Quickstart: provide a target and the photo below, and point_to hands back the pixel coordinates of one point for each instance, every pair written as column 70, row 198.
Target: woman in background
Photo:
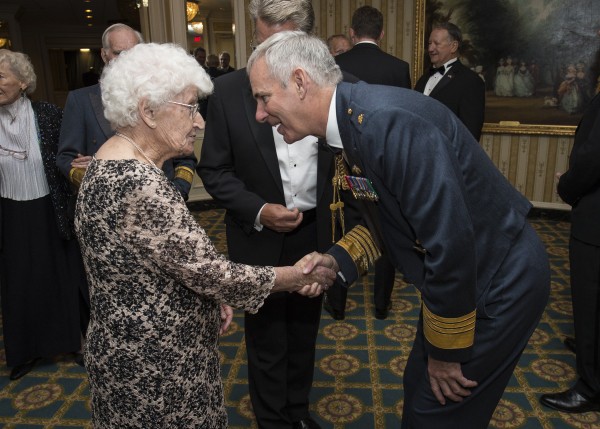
column 40, row 265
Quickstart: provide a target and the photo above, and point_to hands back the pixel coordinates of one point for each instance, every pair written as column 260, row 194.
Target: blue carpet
column 359, row 366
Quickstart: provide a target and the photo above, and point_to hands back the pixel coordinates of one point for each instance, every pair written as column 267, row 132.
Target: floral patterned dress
column 156, row 285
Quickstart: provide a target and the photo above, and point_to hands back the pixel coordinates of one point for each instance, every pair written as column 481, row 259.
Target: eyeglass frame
column 21, row 155
column 193, row 107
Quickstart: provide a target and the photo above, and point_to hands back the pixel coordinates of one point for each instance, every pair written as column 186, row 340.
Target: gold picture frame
column 506, row 119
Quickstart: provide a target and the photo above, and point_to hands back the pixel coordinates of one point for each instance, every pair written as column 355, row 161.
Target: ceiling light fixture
column 191, row 10
column 197, row 27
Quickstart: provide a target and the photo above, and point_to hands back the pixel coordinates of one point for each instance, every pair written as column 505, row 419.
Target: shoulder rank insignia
column 362, row 188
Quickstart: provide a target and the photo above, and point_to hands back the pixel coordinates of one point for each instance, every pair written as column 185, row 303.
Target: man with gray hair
column 484, row 281
column 451, row 82
column 277, row 200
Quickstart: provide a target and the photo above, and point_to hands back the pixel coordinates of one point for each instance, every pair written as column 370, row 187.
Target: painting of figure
column 540, row 59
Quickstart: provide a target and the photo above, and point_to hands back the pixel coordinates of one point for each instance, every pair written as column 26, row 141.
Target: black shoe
column 307, row 423
column 78, row 358
column 383, row 314
column 569, row 343
column 20, row 370
column 336, row 314
column 570, row 401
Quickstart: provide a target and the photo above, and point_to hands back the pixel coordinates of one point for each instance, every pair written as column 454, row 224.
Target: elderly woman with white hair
column 160, row 293
column 40, row 265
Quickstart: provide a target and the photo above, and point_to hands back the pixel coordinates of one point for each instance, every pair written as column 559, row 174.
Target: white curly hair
column 151, row 71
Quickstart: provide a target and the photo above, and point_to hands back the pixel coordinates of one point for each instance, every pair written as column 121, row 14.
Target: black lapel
column 447, row 78
column 263, row 136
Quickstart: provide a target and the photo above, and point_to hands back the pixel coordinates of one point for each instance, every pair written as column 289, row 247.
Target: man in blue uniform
column 451, row 223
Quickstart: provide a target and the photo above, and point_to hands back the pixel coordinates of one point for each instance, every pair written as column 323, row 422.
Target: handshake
column 310, row 276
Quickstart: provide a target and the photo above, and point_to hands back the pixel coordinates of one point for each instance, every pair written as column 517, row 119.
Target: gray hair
column 154, row 72
column 454, row 33
column 277, row 12
column 20, row 65
column 115, row 27
column 287, row 50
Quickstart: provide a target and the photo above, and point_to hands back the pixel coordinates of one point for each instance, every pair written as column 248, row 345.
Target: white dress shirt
column 298, row 169
column 436, row 77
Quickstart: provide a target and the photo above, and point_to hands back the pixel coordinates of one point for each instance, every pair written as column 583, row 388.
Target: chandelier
column 4, row 42
column 191, row 10
column 197, row 27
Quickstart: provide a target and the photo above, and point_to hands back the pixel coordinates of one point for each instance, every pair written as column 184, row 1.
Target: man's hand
column 82, row 161
column 314, row 259
column 226, row 317
column 447, row 381
column 279, row 218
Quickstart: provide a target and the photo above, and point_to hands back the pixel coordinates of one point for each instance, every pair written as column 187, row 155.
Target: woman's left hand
column 226, row 317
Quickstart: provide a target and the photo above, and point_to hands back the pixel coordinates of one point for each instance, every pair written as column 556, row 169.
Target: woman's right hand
column 293, row 279
column 323, row 278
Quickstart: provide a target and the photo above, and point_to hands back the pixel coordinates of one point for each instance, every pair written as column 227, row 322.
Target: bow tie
column 433, row 70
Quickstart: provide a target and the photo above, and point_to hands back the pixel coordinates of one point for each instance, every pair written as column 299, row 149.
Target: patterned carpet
column 360, row 361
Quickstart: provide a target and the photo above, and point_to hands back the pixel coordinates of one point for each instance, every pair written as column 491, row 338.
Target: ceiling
column 104, row 12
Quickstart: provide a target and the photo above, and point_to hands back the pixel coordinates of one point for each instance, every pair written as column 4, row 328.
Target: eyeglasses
column 16, row 154
column 193, row 107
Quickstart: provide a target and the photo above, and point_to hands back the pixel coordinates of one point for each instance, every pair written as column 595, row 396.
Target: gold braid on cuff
column 359, row 244
column 184, row 173
column 76, row 176
column 449, row 333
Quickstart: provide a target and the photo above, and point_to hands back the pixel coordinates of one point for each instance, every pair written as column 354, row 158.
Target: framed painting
column 539, row 59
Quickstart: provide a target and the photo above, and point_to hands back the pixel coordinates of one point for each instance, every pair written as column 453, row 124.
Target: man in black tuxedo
column 450, row 82
column 579, row 186
column 366, row 60
column 369, row 63
column 277, row 201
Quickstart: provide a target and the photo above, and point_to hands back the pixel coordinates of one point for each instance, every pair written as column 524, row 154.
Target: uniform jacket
column 85, row 129
column 448, row 215
column 579, row 186
column 240, row 170
column 368, row 62
column 463, row 92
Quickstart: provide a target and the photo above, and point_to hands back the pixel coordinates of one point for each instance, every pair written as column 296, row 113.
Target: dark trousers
column 585, row 291
column 383, row 283
column 280, row 343
column 507, row 314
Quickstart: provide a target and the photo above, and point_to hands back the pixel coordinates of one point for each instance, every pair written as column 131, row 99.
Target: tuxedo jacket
column 240, row 170
column 463, row 92
column 84, row 129
column 579, row 186
column 370, row 64
column 449, row 217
